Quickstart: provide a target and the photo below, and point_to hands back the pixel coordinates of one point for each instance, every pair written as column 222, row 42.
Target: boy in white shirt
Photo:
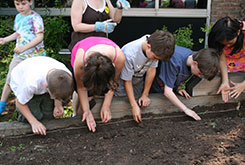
column 31, row 81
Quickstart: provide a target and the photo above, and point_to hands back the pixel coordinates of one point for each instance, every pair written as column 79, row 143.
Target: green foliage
column 21, row 159
column 205, row 29
column 6, row 50
column 14, row 116
column 182, row 36
column 14, row 148
column 55, row 31
column 165, row 28
column 213, row 125
column 68, row 111
column 53, row 3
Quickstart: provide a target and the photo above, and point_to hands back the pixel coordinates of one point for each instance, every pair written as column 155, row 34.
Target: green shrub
column 183, row 36
column 54, row 37
column 6, row 50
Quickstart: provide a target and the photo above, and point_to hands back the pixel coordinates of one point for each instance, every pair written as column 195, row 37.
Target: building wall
column 222, row 8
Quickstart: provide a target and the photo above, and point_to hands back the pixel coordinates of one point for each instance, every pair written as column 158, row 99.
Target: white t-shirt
column 28, row 77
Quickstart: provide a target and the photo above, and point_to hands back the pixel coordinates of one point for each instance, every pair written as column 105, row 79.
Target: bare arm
column 76, row 17
column 82, row 92
column 144, row 100
column 114, row 13
column 37, row 127
column 8, row 38
column 135, row 108
column 34, row 42
column 224, row 87
column 105, row 110
column 168, row 92
column 223, row 69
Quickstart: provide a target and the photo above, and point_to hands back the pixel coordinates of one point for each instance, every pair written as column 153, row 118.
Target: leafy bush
column 183, row 36
column 6, row 50
column 54, row 37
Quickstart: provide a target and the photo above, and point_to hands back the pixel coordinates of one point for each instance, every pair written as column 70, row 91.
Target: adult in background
column 94, row 18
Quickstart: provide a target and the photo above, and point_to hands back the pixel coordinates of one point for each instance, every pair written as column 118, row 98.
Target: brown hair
column 99, row 74
column 208, row 62
column 22, row 0
column 60, row 84
column 226, row 29
column 162, row 44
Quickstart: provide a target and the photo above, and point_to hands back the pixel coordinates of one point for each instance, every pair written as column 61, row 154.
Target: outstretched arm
column 224, row 87
column 8, row 38
column 106, row 110
column 135, row 108
column 144, row 100
column 168, row 92
column 37, row 127
column 82, row 92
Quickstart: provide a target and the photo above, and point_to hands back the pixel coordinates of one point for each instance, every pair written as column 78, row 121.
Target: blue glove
column 106, row 27
column 2, row 106
column 123, row 4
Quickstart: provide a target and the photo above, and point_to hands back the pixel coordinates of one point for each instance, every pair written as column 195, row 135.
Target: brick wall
column 222, row 8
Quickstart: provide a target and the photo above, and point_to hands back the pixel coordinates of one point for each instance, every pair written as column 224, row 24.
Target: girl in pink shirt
column 97, row 63
column 228, row 37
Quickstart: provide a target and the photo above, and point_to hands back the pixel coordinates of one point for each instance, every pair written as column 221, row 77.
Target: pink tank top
column 90, row 42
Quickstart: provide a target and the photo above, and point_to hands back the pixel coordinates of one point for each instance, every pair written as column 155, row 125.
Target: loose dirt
column 219, row 138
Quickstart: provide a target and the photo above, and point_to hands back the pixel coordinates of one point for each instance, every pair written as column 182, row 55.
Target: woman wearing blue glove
column 90, row 18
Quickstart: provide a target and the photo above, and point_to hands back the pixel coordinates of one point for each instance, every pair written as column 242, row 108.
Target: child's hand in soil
column 192, row 114
column 38, row 128
column 144, row 101
column 183, row 93
column 105, row 114
column 225, row 90
column 88, row 116
column 136, row 113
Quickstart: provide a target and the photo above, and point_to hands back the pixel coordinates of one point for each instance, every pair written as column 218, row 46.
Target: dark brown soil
column 219, row 138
